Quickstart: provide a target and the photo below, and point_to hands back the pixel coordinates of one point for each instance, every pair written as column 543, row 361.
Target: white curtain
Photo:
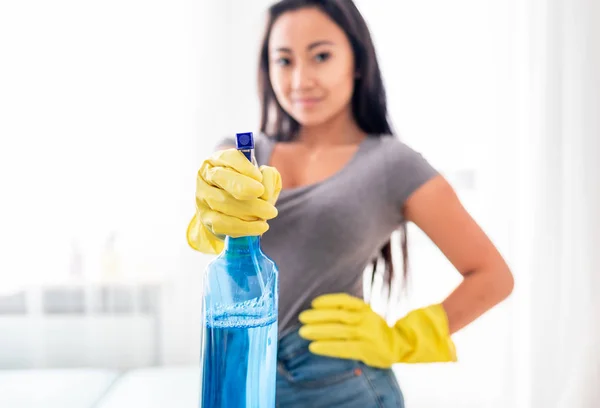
column 565, row 263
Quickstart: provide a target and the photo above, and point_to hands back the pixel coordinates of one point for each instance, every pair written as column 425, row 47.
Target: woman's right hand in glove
column 234, row 198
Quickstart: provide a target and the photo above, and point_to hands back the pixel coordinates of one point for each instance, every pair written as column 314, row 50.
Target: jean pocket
column 308, row 370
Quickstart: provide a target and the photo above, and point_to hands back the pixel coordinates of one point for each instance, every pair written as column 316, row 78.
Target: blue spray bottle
column 239, row 345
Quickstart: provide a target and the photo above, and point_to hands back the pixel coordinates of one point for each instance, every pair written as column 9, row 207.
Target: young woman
column 333, row 185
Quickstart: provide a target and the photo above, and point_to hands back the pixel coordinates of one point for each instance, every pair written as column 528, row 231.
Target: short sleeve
column 407, row 170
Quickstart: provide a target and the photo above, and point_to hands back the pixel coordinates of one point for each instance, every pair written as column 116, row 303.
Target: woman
column 333, row 185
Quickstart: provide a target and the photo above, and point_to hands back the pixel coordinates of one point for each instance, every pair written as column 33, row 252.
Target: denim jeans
column 308, row 380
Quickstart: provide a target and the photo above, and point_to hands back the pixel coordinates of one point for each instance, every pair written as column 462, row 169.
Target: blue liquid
column 239, row 346
column 240, row 363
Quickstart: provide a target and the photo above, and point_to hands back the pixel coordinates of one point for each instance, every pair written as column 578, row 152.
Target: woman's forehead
column 299, row 29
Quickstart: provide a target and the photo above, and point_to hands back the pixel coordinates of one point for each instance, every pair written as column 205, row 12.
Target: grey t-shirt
column 327, row 233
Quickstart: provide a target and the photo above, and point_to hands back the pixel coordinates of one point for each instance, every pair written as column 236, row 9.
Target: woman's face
column 311, row 66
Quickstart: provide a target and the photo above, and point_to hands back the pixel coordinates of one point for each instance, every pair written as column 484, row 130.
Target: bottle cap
column 244, row 141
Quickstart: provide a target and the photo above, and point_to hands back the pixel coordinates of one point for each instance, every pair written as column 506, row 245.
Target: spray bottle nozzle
column 244, row 142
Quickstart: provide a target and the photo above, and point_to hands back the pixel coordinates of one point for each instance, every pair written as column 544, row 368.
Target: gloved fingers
column 331, row 331
column 223, row 224
column 202, row 240
column 251, row 210
column 235, row 160
column 320, row 316
column 272, row 183
column 221, row 201
column 339, row 301
column 350, row 350
column 237, row 184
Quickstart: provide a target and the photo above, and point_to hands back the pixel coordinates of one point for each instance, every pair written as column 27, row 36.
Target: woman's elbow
column 503, row 282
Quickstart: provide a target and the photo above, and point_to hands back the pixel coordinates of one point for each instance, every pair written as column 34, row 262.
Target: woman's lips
column 306, row 102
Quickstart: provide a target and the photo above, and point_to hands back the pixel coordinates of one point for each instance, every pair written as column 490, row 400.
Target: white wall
column 103, row 106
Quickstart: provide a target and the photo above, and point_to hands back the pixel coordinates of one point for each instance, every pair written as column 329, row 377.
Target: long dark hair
column 369, row 102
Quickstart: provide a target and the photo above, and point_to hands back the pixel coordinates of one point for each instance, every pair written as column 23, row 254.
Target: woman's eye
column 282, row 61
column 322, row 57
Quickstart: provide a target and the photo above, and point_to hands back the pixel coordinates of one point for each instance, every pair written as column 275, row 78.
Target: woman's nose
column 302, row 77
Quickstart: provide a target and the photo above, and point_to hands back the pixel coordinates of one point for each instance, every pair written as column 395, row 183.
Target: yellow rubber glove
column 234, row 198
column 344, row 326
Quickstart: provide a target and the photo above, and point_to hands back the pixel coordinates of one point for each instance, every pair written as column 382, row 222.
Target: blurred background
column 108, row 108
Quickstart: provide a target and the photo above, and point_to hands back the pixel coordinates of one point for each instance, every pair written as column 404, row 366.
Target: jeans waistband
column 290, row 343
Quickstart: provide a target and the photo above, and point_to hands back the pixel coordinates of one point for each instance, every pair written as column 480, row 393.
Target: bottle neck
column 242, row 244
